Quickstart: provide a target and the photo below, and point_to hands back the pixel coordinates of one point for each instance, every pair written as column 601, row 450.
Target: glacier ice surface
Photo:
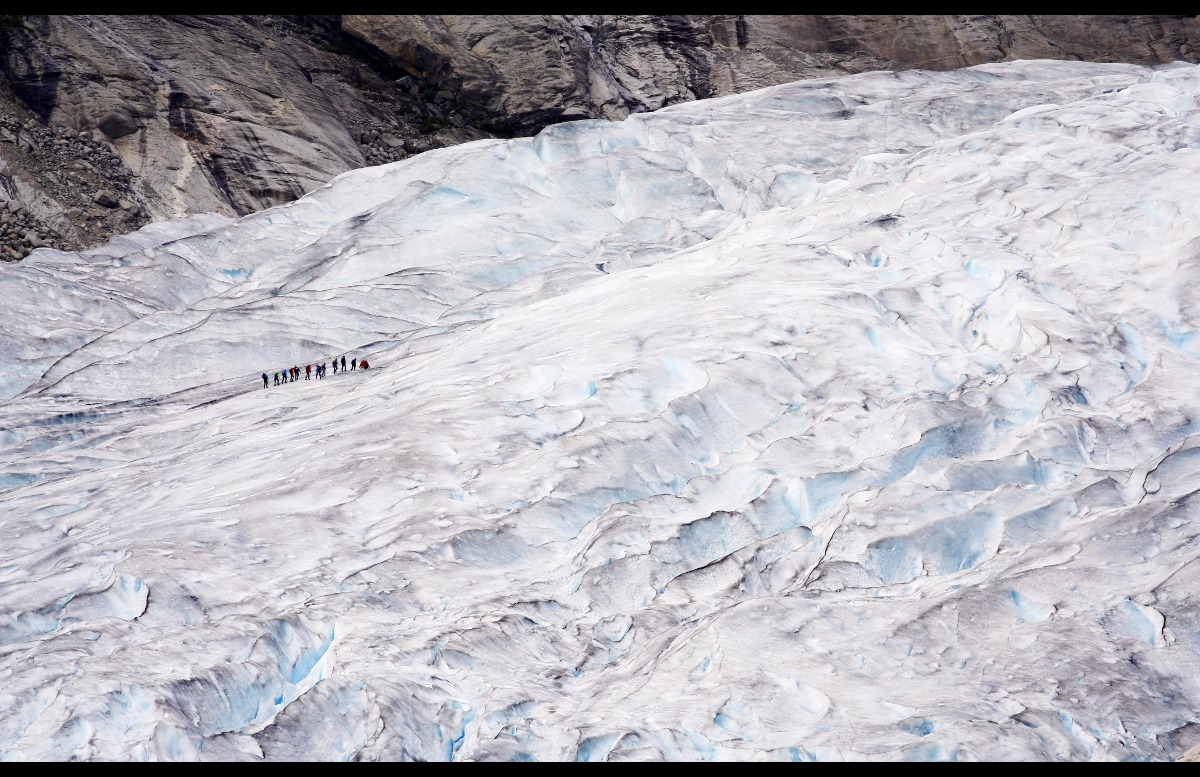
column 845, row 419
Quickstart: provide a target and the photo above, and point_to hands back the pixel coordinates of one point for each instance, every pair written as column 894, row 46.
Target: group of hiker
column 293, row 373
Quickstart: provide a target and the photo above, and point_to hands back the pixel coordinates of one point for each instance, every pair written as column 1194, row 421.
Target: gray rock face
column 528, row 71
column 208, row 114
column 177, row 116
column 180, row 115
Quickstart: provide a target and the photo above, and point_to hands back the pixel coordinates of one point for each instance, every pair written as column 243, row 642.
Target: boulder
column 118, row 123
column 106, row 199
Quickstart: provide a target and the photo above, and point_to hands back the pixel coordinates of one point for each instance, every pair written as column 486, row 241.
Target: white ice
column 845, row 419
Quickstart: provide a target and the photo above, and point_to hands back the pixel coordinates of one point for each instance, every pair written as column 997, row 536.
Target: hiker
column 335, row 365
column 308, row 372
column 295, row 373
column 363, row 364
column 277, row 379
column 343, row 362
column 264, row 380
column 354, row 363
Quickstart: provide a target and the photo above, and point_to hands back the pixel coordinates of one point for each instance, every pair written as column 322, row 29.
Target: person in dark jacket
column 343, row 362
column 265, row 379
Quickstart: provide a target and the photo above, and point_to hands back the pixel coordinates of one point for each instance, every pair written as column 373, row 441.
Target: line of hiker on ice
column 292, row 374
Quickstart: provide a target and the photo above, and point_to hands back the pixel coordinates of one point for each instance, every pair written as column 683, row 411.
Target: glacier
column 848, row 419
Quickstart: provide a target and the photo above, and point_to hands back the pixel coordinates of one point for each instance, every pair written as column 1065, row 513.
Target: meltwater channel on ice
column 855, row 418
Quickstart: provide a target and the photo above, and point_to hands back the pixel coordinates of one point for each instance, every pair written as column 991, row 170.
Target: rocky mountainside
column 109, row 122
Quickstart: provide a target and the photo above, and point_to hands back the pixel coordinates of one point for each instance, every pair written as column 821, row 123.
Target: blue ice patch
column 17, row 479
column 1030, row 610
column 595, row 748
column 921, row 727
column 1182, row 338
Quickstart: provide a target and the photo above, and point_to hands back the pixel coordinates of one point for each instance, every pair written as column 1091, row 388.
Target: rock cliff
column 109, row 122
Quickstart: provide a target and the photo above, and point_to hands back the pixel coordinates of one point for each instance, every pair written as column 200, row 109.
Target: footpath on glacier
column 845, row 419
